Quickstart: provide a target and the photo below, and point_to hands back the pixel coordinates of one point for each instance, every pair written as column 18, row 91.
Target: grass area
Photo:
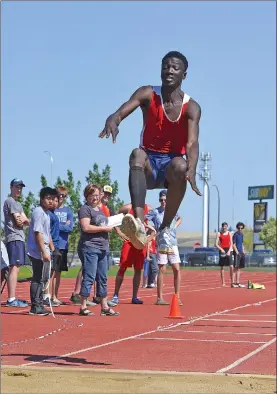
column 72, row 272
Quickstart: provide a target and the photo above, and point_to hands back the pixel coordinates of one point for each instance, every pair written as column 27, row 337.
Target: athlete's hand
column 191, row 178
column 111, row 128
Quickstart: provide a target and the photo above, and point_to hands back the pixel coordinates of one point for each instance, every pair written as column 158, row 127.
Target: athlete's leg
column 140, row 176
column 175, row 177
column 222, row 275
column 136, row 283
column 119, row 279
column 162, row 260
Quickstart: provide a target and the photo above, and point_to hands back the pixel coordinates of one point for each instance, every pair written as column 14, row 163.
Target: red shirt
column 152, row 247
column 224, row 240
column 160, row 134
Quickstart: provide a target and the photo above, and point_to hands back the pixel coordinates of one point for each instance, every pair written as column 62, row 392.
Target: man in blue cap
column 15, row 220
column 156, row 217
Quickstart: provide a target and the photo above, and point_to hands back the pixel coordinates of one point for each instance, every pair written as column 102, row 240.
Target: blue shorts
column 159, row 163
column 16, row 252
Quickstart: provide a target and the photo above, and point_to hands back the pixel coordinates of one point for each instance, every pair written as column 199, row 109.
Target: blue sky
column 67, row 65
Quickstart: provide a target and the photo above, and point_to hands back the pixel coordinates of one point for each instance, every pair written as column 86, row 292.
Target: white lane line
column 195, row 340
column 242, row 315
column 136, row 336
column 220, row 332
column 252, row 321
column 246, row 357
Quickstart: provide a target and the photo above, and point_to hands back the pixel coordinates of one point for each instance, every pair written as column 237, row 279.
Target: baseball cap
column 107, row 189
column 17, row 182
column 162, row 193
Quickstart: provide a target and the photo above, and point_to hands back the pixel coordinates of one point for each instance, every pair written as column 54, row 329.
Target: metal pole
column 205, row 215
column 218, row 207
column 205, row 175
column 51, row 165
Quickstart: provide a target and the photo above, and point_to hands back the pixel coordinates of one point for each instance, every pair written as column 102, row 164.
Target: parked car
column 183, row 260
column 203, row 256
column 261, row 257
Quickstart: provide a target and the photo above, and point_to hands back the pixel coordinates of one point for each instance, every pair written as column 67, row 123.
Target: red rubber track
column 239, row 340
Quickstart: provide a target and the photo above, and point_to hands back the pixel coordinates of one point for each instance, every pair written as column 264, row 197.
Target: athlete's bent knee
column 137, row 158
column 179, row 165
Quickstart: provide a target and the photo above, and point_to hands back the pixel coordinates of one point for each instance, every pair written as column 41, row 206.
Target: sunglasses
column 62, row 195
column 240, row 228
column 162, row 199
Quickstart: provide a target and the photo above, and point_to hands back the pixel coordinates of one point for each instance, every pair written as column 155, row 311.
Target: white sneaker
column 241, row 286
column 134, row 229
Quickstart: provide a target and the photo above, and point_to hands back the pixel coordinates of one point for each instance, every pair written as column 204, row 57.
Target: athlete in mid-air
column 170, row 131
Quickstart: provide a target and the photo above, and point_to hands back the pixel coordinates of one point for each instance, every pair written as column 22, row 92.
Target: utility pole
column 205, row 175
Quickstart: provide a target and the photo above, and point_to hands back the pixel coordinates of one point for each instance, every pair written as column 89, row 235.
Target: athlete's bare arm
column 140, row 98
column 194, row 114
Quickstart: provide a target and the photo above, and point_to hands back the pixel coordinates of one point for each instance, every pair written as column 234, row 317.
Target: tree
column 248, row 239
column 103, row 179
column 268, row 233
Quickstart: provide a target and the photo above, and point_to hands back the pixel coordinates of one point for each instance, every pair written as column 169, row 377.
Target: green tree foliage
column 268, row 233
column 75, row 200
column 248, row 239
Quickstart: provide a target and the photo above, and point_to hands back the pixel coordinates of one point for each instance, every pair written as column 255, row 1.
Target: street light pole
column 218, row 207
column 51, row 165
column 205, row 175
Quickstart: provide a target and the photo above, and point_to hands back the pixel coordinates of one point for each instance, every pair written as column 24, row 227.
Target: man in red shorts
column 170, row 131
column 131, row 256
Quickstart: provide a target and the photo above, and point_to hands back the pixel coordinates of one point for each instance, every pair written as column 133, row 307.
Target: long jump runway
column 224, row 330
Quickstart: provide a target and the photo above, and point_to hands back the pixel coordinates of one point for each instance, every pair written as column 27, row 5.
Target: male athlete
column 170, row 131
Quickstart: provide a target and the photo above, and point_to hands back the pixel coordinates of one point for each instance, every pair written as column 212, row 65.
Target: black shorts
column 239, row 260
column 59, row 263
column 224, row 260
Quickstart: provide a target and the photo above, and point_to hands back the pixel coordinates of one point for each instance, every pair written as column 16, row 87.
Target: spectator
column 39, row 244
column 56, row 255
column 224, row 244
column 153, row 264
column 15, row 220
column 239, row 253
column 65, row 216
column 104, row 205
column 93, row 249
column 156, row 216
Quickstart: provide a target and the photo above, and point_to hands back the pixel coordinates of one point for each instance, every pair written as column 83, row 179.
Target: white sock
column 11, row 299
column 45, row 296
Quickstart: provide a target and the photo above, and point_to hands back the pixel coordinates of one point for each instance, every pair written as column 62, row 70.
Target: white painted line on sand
column 246, row 357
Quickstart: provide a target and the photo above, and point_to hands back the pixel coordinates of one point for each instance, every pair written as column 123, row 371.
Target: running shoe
column 115, row 299
column 134, row 229
column 17, row 303
column 136, row 301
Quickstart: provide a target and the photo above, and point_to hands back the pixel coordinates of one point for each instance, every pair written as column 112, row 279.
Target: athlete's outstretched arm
column 194, row 114
column 138, row 99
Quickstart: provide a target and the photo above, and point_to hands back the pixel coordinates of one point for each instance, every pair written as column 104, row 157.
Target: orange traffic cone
column 175, row 311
